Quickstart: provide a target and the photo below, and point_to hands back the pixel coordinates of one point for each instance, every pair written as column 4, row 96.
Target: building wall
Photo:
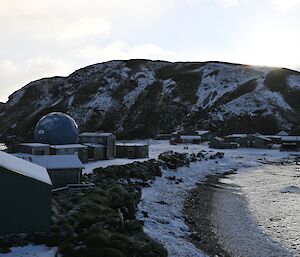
column 111, row 147
column 93, row 139
column 222, row 145
column 208, row 136
column 25, row 204
column 82, row 153
column 108, row 141
column 41, row 150
column 99, row 153
column 61, row 178
column 96, row 153
column 255, row 142
column 132, row 151
column 290, row 145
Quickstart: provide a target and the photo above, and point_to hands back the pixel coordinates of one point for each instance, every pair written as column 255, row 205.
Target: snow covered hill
column 137, row 98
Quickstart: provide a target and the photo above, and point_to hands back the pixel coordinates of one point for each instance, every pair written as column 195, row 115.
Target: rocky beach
column 249, row 213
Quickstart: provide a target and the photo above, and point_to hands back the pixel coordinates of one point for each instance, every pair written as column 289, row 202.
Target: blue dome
column 56, row 129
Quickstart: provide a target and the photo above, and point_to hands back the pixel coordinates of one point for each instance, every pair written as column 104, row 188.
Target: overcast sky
column 41, row 38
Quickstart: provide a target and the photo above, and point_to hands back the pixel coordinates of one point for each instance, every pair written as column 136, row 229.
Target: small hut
column 219, row 143
column 100, row 138
column 290, row 143
column 255, row 141
column 132, row 150
column 25, row 196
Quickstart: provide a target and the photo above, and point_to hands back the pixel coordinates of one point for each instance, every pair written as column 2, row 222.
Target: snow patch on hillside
column 101, row 102
column 143, row 78
column 294, row 81
column 219, row 80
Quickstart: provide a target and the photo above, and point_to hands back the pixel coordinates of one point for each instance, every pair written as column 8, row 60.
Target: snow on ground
column 89, row 167
column 31, row 251
column 155, row 149
column 272, row 193
column 163, row 201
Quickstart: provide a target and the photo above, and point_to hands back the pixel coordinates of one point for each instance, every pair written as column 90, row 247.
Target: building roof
column 236, row 135
column 34, row 144
column 290, row 138
column 131, row 144
column 25, row 168
column 95, row 134
column 190, row 137
column 55, row 162
column 218, row 139
column 272, row 136
column 202, row 132
column 282, row 133
column 259, row 136
column 95, row 145
column 68, row 146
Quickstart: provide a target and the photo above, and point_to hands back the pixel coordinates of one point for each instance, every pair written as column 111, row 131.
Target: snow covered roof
column 290, row 138
column 263, row 137
column 131, row 144
column 219, row 139
column 94, row 145
column 282, row 133
column 54, row 161
column 25, row 168
column 95, row 134
column 35, row 144
column 236, row 135
column 190, row 137
column 258, row 136
column 68, row 146
column 202, row 132
column 272, row 136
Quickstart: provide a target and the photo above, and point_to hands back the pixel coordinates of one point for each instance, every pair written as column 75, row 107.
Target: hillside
column 140, row 98
column 2, row 106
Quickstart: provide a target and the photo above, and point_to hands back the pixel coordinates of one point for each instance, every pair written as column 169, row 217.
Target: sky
column 43, row 38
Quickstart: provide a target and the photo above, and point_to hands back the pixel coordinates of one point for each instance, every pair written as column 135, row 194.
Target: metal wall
column 25, row 204
column 108, row 141
column 61, row 178
column 81, row 153
column 133, row 152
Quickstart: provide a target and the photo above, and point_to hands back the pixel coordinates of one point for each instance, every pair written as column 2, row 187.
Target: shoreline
column 222, row 224
column 198, row 208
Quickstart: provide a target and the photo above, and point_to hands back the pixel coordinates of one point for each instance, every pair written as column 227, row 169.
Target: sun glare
column 273, row 46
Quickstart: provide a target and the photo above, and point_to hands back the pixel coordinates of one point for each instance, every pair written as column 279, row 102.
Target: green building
column 25, row 196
